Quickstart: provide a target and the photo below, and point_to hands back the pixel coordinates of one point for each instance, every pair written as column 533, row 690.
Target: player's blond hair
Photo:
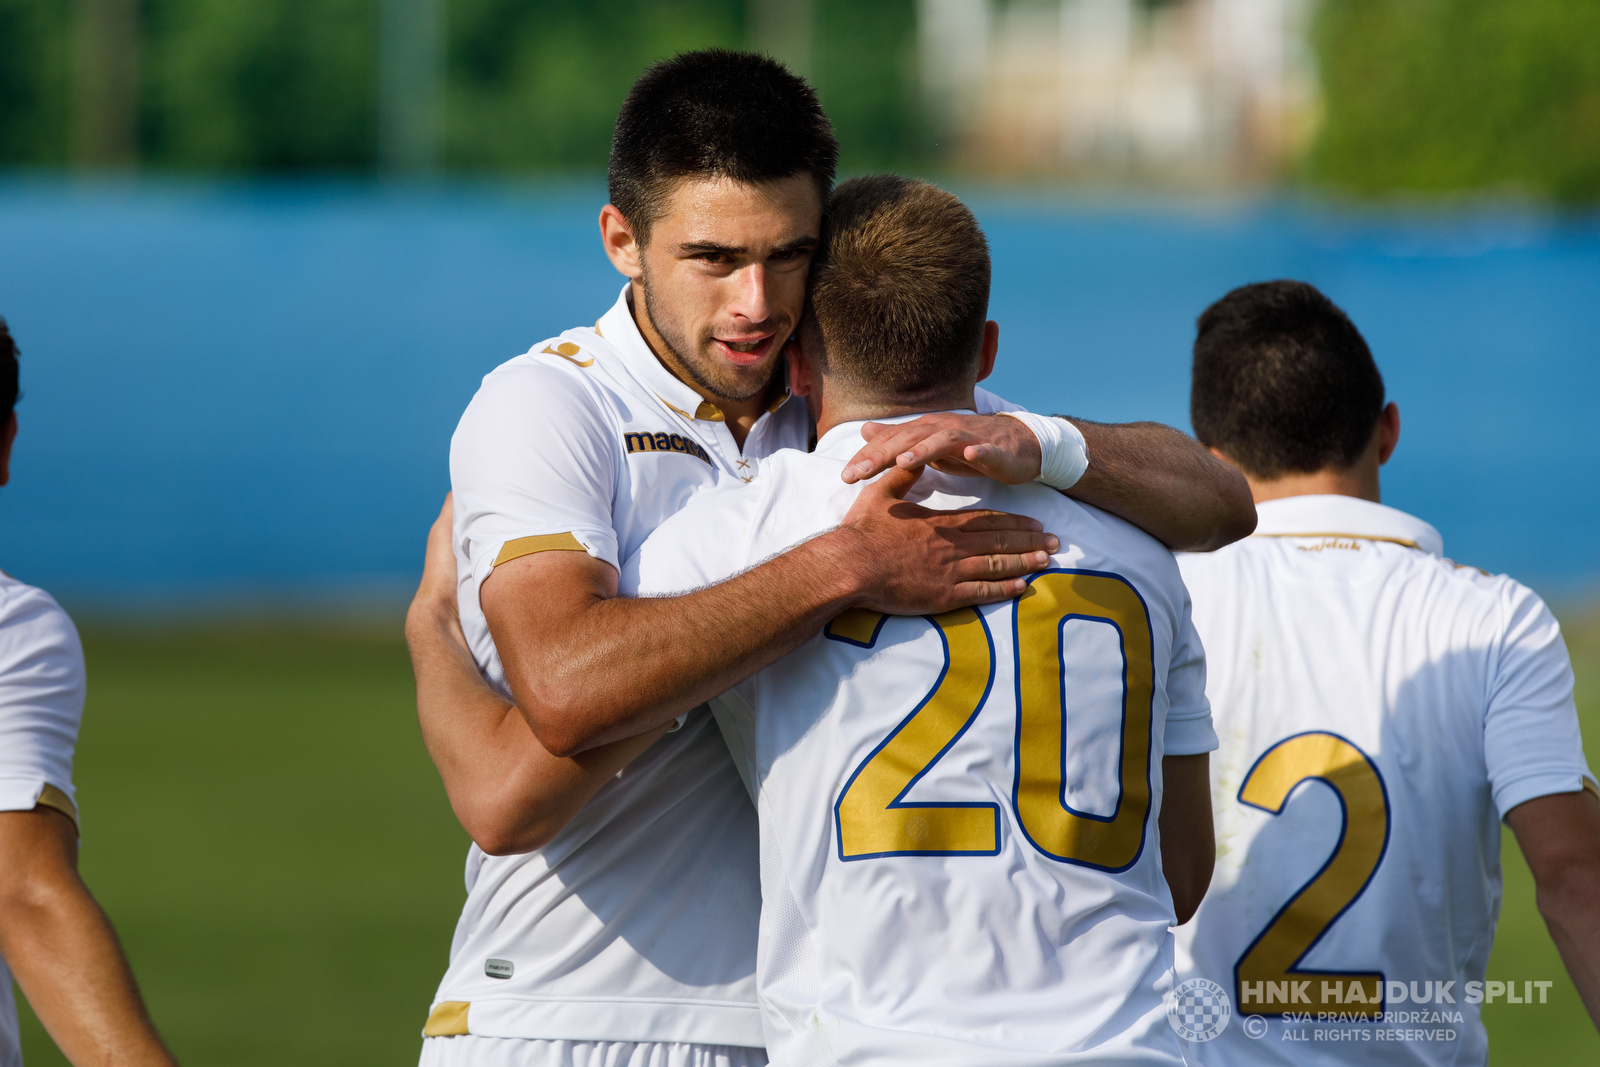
column 900, row 291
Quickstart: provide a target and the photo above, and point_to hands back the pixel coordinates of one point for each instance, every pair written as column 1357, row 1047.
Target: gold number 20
column 871, row 815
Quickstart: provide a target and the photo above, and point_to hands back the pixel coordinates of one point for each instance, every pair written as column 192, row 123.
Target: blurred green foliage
column 1432, row 96
column 35, row 80
column 291, row 85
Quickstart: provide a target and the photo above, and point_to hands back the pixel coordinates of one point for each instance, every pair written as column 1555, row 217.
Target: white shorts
column 470, row 1051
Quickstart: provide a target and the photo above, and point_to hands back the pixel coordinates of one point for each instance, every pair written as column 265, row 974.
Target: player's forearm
column 507, row 791
column 617, row 667
column 66, row 958
column 1570, row 904
column 1166, row 483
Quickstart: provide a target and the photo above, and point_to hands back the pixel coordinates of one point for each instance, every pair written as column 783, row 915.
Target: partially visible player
column 964, row 816
column 53, row 936
column 1381, row 710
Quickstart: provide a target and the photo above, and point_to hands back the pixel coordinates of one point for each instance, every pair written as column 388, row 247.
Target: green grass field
column 263, row 825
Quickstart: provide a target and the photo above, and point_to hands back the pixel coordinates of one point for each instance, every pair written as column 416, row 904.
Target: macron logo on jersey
column 663, row 442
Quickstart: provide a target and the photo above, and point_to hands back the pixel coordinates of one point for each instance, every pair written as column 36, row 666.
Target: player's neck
column 836, row 410
column 1357, row 481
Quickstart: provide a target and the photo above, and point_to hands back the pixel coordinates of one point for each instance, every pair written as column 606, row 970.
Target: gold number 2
column 1268, row 972
column 871, row 815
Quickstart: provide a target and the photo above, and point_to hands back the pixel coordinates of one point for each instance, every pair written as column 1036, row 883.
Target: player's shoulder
column 559, row 383
column 33, row 624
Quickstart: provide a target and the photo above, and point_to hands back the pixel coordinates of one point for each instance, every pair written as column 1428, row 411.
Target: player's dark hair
column 715, row 114
column 8, row 369
column 900, row 290
column 1283, row 381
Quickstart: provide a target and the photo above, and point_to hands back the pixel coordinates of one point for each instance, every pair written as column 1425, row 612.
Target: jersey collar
column 618, row 327
column 845, row 440
column 1345, row 516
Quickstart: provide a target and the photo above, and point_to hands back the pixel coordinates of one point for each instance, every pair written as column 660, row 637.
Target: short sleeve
column 533, row 466
column 41, row 700
column 1189, row 731
column 986, row 403
column 1532, row 743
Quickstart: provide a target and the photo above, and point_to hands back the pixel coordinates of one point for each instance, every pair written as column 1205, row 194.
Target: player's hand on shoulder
column 993, row 446
column 911, row 560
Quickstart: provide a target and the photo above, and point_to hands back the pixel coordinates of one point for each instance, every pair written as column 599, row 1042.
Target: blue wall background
column 246, row 392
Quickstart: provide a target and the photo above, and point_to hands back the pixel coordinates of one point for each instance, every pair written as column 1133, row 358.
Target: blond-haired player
column 1381, row 710
column 978, row 825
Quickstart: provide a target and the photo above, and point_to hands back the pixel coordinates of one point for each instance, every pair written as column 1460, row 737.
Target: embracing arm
column 1560, row 837
column 587, row 667
column 1154, row 476
column 509, row 793
column 62, row 949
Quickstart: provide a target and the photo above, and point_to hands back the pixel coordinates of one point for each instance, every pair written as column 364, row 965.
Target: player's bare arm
column 1154, row 476
column 62, row 949
column 1560, row 836
column 588, row 668
column 509, row 793
column 1188, row 841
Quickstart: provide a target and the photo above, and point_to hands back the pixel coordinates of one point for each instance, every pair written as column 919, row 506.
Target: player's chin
column 739, row 382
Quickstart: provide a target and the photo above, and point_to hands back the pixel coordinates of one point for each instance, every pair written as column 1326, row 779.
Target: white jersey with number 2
column 1380, row 709
column 959, row 853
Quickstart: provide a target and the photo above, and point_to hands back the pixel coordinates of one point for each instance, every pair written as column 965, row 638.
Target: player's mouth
column 746, row 352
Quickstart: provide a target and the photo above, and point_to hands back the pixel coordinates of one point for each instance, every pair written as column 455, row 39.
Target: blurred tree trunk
column 410, row 62
column 105, row 129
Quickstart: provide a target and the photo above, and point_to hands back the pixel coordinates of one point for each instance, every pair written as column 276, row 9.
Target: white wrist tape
column 1063, row 453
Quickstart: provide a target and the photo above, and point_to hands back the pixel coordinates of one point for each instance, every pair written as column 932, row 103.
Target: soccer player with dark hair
column 54, row 939
column 1382, row 710
column 612, row 885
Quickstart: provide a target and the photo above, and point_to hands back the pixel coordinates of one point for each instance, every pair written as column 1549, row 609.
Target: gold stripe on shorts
column 447, row 1019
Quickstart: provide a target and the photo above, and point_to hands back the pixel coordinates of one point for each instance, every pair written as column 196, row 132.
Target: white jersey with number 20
column 959, row 853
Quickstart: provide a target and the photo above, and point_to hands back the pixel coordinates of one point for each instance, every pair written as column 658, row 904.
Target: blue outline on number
column 838, row 831
column 1344, row 826
column 1016, row 774
column 827, row 631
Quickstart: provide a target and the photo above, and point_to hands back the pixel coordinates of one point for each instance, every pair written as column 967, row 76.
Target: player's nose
column 750, row 300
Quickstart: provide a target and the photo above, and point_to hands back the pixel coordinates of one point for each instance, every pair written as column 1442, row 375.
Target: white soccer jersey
column 638, row 921
column 41, row 707
column 945, row 880
column 1380, row 709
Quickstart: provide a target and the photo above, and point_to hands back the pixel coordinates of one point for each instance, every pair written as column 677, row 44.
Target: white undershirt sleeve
column 1531, row 741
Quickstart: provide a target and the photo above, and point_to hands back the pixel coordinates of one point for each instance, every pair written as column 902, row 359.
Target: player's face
column 724, row 279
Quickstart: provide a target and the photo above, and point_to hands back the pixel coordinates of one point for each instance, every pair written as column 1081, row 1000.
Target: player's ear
column 618, row 239
column 8, row 436
column 1388, row 432
column 991, row 348
column 800, row 380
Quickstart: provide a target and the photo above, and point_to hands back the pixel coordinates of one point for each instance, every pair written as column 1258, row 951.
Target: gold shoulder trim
column 55, row 798
column 447, row 1019
column 527, row 546
column 569, row 352
column 1354, row 537
column 1590, row 787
